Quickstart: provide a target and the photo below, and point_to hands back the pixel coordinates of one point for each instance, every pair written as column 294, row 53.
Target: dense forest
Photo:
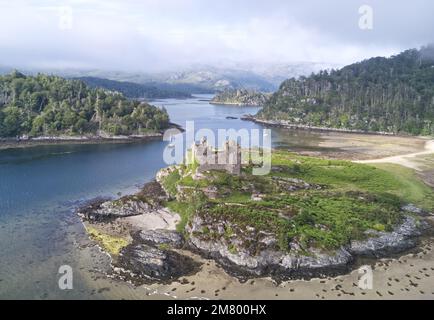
column 135, row 90
column 48, row 105
column 393, row 94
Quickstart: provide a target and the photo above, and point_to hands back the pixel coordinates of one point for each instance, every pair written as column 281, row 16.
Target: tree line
column 393, row 94
column 49, row 105
column 136, row 90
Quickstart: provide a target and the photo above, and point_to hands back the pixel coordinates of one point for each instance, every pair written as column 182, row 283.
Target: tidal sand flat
column 410, row 276
column 358, row 147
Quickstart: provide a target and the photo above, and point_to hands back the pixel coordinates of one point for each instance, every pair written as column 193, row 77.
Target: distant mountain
column 393, row 94
column 258, row 77
column 218, row 79
column 199, row 78
column 135, row 90
column 240, row 97
column 203, row 79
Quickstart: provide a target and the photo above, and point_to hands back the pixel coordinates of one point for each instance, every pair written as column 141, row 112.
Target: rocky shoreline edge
column 289, row 125
column 156, row 253
column 11, row 143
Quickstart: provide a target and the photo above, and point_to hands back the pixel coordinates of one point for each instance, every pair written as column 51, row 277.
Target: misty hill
column 240, row 97
column 257, row 77
column 136, row 90
column 393, row 94
column 49, row 105
column 203, row 79
column 215, row 79
column 191, row 80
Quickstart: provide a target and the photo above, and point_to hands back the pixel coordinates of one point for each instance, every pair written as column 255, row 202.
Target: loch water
column 41, row 186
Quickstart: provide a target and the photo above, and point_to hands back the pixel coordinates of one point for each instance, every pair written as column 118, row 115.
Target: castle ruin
column 208, row 158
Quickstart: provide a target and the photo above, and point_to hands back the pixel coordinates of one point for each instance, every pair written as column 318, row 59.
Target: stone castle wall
column 228, row 159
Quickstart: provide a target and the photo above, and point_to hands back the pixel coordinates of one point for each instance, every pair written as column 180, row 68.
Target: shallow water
column 40, row 187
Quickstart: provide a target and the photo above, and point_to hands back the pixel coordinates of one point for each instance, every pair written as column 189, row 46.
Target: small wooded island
column 308, row 217
column 53, row 108
column 240, row 97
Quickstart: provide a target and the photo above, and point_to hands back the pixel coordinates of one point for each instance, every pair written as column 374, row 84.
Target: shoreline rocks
column 24, row 142
column 142, row 263
column 269, row 261
column 148, row 200
column 402, row 238
column 154, row 253
column 160, row 237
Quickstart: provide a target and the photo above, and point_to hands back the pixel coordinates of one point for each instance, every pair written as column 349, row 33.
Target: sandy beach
column 411, row 160
column 358, row 147
column 409, row 277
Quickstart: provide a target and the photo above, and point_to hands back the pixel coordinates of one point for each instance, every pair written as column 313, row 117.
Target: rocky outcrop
column 148, row 200
column 382, row 244
column 141, row 263
column 160, row 237
column 411, row 208
column 294, row 184
column 236, row 254
column 108, row 210
column 266, row 259
column 276, row 264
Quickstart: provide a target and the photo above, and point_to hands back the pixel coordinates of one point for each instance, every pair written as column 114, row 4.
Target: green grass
column 344, row 175
column 235, row 197
column 188, row 181
column 170, row 182
column 186, row 209
column 411, row 188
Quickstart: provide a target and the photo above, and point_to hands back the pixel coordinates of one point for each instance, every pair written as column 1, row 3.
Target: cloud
column 155, row 35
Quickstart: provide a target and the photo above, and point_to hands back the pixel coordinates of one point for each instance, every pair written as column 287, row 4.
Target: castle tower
column 227, row 159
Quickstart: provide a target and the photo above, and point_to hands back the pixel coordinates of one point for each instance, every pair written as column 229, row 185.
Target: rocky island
column 240, row 97
column 308, row 217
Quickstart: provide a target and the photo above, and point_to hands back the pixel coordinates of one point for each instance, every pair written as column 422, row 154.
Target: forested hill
column 135, row 90
column 49, row 105
column 240, row 97
column 393, row 94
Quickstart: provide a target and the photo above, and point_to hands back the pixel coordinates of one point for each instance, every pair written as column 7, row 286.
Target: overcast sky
column 154, row 35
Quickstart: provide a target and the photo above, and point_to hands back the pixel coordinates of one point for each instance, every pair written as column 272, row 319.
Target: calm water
column 41, row 186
